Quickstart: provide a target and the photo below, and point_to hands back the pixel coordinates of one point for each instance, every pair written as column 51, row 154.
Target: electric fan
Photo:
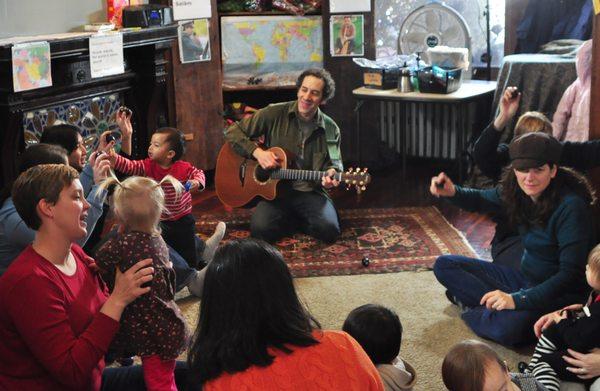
column 431, row 25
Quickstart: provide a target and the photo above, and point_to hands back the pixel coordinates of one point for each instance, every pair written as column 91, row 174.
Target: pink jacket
column 571, row 121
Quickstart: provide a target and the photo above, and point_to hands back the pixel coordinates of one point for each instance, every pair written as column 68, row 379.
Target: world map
column 269, row 50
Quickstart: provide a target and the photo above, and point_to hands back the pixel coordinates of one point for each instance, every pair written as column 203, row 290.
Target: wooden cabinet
column 198, row 101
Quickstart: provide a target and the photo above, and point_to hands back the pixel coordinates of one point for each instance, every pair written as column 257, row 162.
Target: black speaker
column 147, row 15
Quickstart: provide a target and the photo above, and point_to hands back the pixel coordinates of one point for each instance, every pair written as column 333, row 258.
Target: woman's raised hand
column 442, row 186
column 100, row 166
column 508, row 106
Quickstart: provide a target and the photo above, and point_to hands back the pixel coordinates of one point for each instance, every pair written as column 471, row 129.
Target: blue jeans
column 468, row 279
column 310, row 212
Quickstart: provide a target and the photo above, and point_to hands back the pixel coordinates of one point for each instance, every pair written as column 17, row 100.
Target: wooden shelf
column 265, row 13
column 258, row 88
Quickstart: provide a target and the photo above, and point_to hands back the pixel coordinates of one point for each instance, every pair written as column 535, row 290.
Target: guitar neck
column 303, row 175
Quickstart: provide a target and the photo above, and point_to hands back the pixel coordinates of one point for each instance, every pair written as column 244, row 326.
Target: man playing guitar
column 313, row 138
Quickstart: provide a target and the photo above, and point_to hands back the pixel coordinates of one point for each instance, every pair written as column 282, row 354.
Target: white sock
column 196, row 283
column 212, row 243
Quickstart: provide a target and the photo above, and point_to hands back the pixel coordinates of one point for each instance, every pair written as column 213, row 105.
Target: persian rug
column 393, row 240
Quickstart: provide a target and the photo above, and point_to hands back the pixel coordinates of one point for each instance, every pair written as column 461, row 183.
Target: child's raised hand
column 123, row 118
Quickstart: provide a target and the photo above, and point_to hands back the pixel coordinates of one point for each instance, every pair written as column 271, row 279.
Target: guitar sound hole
column 261, row 174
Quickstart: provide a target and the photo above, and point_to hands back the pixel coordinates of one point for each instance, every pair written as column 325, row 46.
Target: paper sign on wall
column 340, row 6
column 31, row 66
column 106, row 54
column 191, row 9
column 597, row 7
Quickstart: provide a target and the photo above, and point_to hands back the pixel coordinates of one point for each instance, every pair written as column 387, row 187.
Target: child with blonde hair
column 533, row 121
column 152, row 327
column 575, row 327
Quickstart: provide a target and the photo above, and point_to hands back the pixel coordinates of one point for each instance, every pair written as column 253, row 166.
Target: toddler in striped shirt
column 177, row 222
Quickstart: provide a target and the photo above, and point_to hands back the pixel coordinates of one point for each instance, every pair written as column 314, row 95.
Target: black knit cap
column 534, row 150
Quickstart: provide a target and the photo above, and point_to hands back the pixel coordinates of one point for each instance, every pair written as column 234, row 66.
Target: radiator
column 425, row 129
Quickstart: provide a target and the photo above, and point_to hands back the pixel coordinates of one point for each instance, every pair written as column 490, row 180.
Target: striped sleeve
column 130, row 167
column 197, row 175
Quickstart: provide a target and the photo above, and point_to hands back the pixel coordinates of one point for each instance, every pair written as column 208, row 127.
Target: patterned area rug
column 395, row 239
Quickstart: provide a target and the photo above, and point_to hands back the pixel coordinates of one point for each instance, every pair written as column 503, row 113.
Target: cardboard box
column 381, row 78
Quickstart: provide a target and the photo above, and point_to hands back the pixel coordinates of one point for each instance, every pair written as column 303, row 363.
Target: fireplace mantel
column 146, row 87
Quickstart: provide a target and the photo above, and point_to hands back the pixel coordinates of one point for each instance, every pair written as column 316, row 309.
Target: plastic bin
column 438, row 80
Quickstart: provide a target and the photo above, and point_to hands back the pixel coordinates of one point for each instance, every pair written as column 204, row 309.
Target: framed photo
column 194, row 41
column 269, row 51
column 347, row 34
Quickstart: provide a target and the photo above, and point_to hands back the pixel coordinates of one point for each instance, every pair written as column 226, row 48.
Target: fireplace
column 146, row 87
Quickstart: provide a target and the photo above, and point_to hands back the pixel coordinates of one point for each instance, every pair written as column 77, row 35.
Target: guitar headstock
column 357, row 178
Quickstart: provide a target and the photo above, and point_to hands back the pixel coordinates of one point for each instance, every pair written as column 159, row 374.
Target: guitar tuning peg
column 354, row 182
column 350, row 169
column 366, row 169
column 363, row 188
column 361, row 183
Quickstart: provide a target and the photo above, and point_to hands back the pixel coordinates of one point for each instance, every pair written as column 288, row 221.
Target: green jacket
column 278, row 123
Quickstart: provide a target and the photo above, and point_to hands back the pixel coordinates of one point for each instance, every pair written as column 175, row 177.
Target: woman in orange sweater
column 253, row 332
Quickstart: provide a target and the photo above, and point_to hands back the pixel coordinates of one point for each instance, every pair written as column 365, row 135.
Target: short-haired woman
column 56, row 318
column 15, row 235
column 253, row 332
column 550, row 206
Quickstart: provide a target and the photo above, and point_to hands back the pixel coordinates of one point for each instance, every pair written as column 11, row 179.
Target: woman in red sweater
column 56, row 317
column 254, row 334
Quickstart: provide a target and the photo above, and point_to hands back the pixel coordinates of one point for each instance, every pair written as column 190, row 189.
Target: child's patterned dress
column 152, row 324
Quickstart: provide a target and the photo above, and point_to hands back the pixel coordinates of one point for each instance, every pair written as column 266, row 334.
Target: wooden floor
column 387, row 190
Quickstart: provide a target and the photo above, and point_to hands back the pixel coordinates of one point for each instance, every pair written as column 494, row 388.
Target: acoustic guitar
column 239, row 180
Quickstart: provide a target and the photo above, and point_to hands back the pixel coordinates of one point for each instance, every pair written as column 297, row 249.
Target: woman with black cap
column 551, row 208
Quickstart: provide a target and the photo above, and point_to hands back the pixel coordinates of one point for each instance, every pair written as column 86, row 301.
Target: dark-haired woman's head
column 68, row 137
column 474, row 366
column 249, row 304
column 535, row 183
column 42, row 154
column 534, row 159
column 32, row 156
column 377, row 329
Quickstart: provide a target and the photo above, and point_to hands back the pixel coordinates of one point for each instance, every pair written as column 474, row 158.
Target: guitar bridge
column 242, row 173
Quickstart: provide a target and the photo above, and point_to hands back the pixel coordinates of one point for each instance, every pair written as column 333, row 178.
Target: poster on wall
column 191, row 9
column 31, row 66
column 347, row 35
column 338, row 6
column 194, row 41
column 106, row 54
column 272, row 51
